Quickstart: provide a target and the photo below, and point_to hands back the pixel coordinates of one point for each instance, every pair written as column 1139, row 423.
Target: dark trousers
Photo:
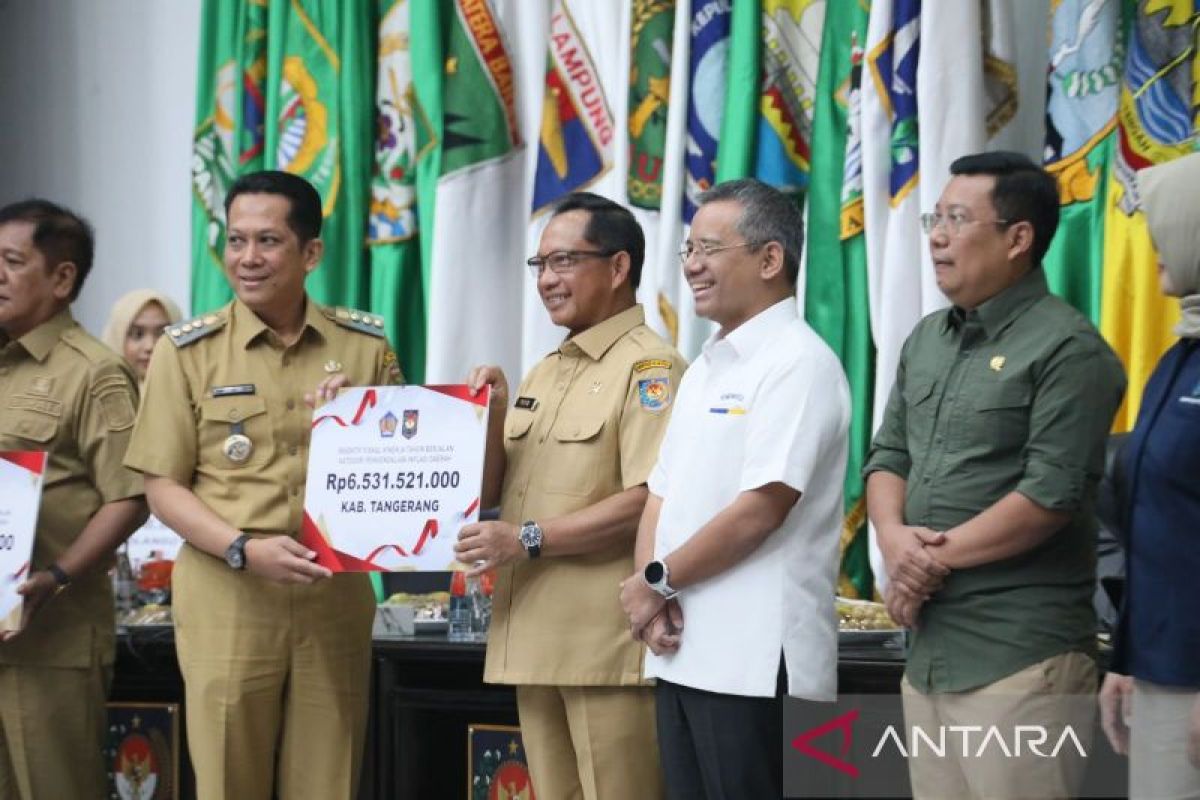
column 719, row 746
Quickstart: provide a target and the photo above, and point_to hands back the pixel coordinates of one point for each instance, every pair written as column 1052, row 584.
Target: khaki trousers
column 1158, row 760
column 52, row 725
column 590, row 742
column 276, row 681
column 1054, row 693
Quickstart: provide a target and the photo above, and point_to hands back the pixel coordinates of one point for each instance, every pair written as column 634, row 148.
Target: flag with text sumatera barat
column 478, row 225
column 1156, row 122
column 1085, row 61
column 320, row 127
column 403, row 136
column 228, row 140
column 836, row 302
column 790, row 59
column 651, row 33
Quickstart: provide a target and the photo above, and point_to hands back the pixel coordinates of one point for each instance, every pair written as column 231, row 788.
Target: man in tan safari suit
column 64, row 393
column 275, row 652
column 568, row 465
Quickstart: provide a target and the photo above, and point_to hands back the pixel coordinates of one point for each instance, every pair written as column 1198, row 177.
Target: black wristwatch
column 657, row 577
column 531, row 538
column 60, row 576
column 235, row 554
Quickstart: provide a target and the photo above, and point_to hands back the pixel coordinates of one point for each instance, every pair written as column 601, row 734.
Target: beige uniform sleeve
column 105, row 428
column 387, row 367
column 653, row 382
column 164, row 438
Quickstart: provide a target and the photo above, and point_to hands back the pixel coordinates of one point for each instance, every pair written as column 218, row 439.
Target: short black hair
column 1024, row 192
column 59, row 234
column 304, row 213
column 768, row 215
column 610, row 226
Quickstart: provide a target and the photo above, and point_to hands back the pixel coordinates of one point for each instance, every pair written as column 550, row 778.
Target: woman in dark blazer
column 1150, row 701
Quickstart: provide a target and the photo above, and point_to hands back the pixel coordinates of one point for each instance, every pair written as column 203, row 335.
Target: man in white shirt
column 737, row 550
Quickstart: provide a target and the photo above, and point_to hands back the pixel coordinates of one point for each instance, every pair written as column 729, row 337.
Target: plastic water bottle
column 459, row 616
column 124, row 584
column 481, row 609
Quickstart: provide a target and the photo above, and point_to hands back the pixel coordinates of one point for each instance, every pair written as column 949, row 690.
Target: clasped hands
column 653, row 619
column 914, row 572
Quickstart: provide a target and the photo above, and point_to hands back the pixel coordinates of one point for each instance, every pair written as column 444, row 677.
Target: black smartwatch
column 657, row 577
column 531, row 538
column 235, row 554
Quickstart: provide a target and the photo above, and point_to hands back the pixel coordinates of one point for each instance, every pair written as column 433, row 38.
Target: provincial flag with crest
column 791, row 44
column 229, row 135
column 404, row 137
column 651, row 32
column 575, row 140
column 471, row 94
column 319, row 125
column 835, row 292
column 708, row 59
column 1156, row 120
column 1085, row 60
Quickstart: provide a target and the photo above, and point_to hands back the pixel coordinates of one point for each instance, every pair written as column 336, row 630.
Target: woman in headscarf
column 1150, row 701
column 135, row 323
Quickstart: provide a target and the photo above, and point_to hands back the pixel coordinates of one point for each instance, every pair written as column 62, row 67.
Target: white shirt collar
column 744, row 340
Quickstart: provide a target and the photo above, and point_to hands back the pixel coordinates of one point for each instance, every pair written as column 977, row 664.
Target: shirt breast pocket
column 920, row 411
column 19, row 425
column 1002, row 415
column 224, row 418
column 577, row 459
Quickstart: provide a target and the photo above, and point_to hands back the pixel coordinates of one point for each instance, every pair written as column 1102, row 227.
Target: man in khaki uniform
column 275, row 652
column 568, row 466
column 65, row 393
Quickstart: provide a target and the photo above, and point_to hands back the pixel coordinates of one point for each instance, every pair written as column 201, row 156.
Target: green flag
column 836, row 300
column 284, row 86
column 1082, row 92
column 320, row 126
column 739, row 124
column 403, row 135
column 229, row 131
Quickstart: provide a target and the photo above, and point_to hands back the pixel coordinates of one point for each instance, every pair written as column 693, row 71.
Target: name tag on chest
column 232, row 391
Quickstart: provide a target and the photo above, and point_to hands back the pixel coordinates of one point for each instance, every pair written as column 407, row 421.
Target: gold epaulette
column 184, row 333
column 359, row 321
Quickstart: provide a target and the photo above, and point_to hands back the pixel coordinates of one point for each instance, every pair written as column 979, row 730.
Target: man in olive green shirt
column 980, row 483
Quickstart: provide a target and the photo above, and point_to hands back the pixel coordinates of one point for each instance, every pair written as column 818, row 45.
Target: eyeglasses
column 562, row 261
column 954, row 221
column 707, row 250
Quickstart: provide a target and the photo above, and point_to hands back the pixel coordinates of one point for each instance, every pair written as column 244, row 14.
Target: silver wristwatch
column 531, row 538
column 235, row 554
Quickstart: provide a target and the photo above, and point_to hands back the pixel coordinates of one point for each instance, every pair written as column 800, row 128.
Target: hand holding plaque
column 394, row 473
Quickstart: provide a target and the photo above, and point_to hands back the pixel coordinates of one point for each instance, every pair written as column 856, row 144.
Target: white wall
column 96, row 98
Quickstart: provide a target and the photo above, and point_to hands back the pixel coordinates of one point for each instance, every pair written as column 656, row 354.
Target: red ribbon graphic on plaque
column 394, row 473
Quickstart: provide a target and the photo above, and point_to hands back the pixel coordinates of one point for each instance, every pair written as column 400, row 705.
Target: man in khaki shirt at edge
column 65, row 393
column 274, row 651
column 568, row 466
